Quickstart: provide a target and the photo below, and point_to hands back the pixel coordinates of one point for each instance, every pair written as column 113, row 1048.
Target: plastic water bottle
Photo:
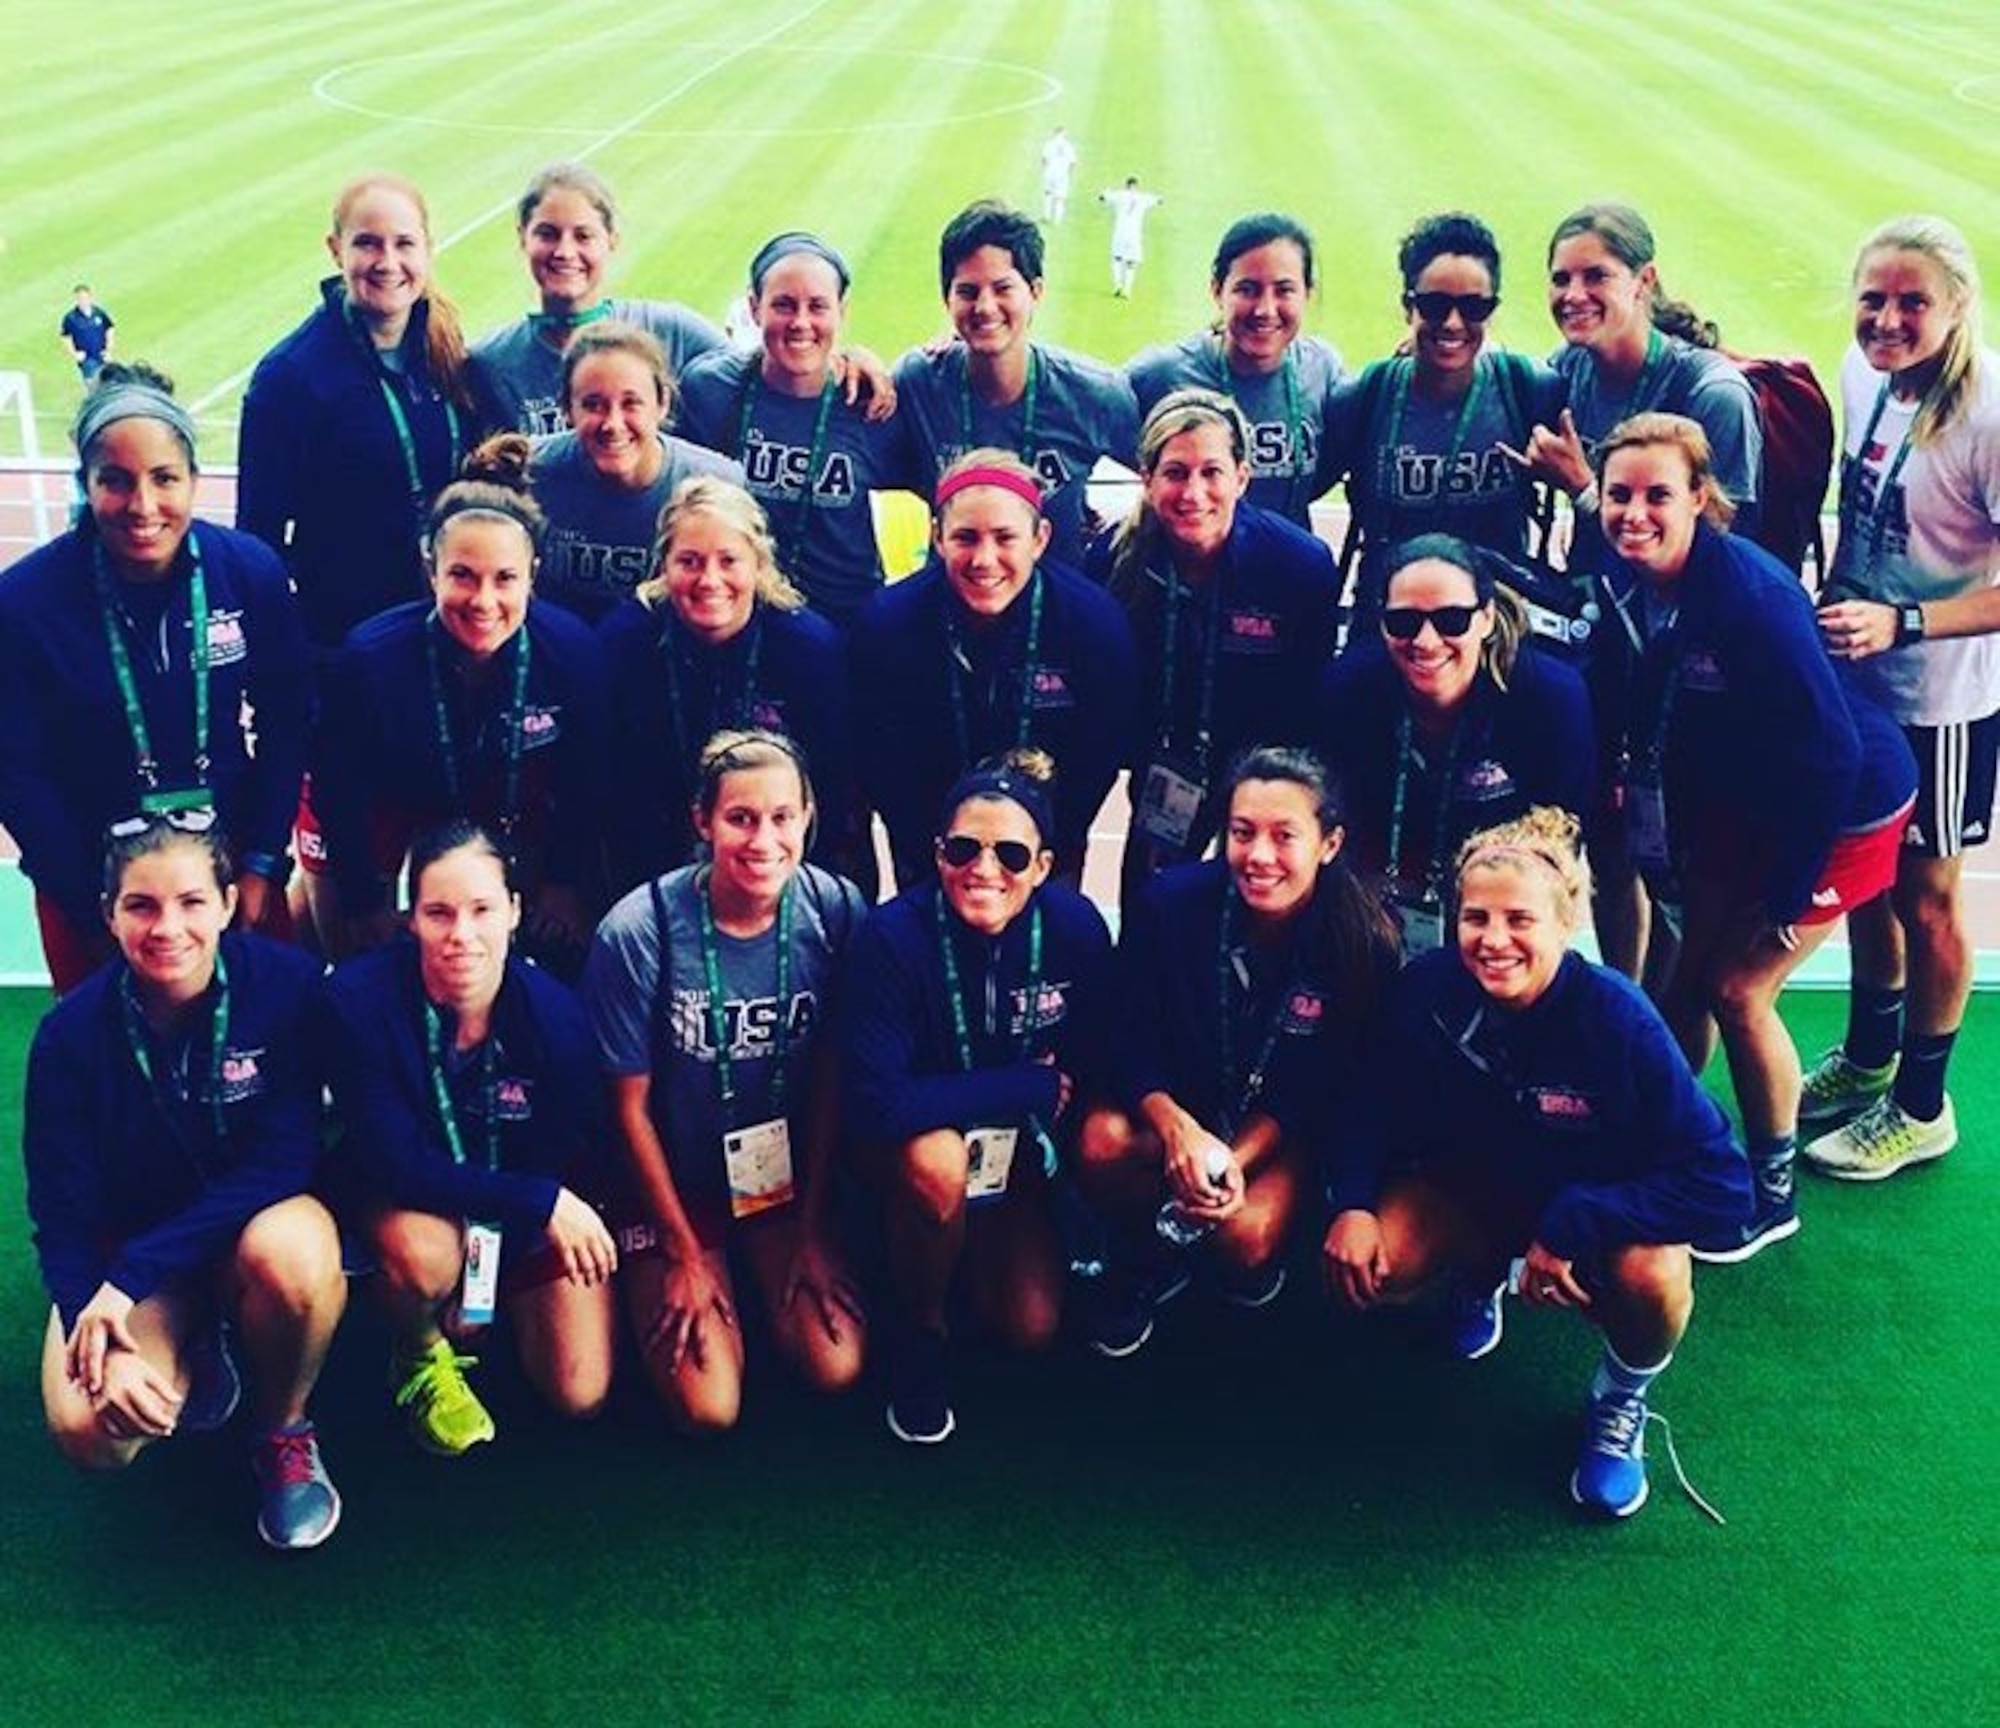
column 1181, row 1228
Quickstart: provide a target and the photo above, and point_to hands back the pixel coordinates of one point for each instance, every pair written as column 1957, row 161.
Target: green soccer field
column 184, row 162
column 1301, row 1523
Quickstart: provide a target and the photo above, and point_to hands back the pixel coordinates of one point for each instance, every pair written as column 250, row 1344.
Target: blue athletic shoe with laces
column 1474, row 1321
column 1610, row 1476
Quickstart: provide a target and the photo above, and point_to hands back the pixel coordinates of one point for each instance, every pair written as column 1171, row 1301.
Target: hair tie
column 1023, row 486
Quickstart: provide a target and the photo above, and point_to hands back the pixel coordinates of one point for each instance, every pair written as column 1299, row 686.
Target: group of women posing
column 754, row 1054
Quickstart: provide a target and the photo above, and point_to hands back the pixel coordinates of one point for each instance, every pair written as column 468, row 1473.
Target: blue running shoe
column 1473, row 1321
column 1610, row 1476
column 299, row 1503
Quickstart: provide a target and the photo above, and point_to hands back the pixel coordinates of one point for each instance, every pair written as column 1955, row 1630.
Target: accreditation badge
column 759, row 1158
column 480, row 1290
column 1169, row 804
column 989, row 1161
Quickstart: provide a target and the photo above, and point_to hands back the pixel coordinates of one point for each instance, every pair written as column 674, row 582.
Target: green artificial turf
column 1265, row 1519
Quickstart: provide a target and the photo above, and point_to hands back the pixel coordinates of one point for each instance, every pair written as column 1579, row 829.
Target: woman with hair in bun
column 1250, row 988
column 567, row 223
column 715, row 639
column 975, row 1010
column 813, row 457
column 1541, row 1112
column 132, row 649
column 1913, row 616
column 358, row 418
column 711, row 990
column 171, row 1129
column 467, row 1089
column 1450, row 721
column 1233, row 608
column 474, row 704
column 1257, row 354
column 604, row 483
column 990, row 648
column 1424, row 436
column 1629, row 349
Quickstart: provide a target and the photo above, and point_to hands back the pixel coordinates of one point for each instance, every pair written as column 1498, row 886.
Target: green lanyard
column 961, row 1031
column 218, row 1038
column 1641, row 400
column 791, row 541
column 441, row 1091
column 1027, row 446
column 1406, row 756
column 1204, row 736
column 406, row 442
column 1461, row 426
column 1850, row 494
column 152, row 799
column 718, row 1007
column 1300, row 476
column 515, row 726
column 540, row 322
column 743, row 711
column 1239, row 1096
column 957, row 665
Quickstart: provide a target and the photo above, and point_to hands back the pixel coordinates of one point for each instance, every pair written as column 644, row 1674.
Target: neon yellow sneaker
column 442, row 1412
column 1836, row 1088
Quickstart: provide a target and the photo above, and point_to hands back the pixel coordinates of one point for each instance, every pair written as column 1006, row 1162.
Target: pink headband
column 1506, row 854
column 1007, row 479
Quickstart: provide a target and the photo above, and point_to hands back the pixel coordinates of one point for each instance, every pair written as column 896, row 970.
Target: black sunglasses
column 1406, row 623
column 1436, row 308
column 1013, row 856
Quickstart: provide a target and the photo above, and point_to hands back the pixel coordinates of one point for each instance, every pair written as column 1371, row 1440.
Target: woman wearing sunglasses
column 975, row 1009
column 1257, row 354
column 1759, row 801
column 467, row 1086
column 1542, row 1114
column 716, row 639
column 711, row 990
column 1422, row 436
column 130, row 650
column 1250, row 987
column 1232, row 605
column 477, row 704
column 1629, row 349
column 171, row 1130
column 990, row 649
column 1451, row 721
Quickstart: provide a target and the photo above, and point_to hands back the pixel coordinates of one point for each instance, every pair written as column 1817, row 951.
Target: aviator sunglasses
column 1406, row 623
column 1435, row 308
column 1013, row 856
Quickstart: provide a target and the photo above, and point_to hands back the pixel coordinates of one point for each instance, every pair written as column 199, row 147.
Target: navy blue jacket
column 324, row 481
column 67, row 767
column 1278, row 604
column 379, row 777
column 1082, row 701
column 1760, row 738
column 131, row 1186
column 651, row 752
column 1170, row 1033
column 902, row 1076
column 1582, row 1102
column 394, row 1153
column 1529, row 744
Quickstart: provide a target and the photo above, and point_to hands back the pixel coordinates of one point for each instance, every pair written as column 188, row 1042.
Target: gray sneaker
column 299, row 1504
column 1836, row 1088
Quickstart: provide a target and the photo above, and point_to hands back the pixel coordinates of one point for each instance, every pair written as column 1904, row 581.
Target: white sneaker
column 1882, row 1140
